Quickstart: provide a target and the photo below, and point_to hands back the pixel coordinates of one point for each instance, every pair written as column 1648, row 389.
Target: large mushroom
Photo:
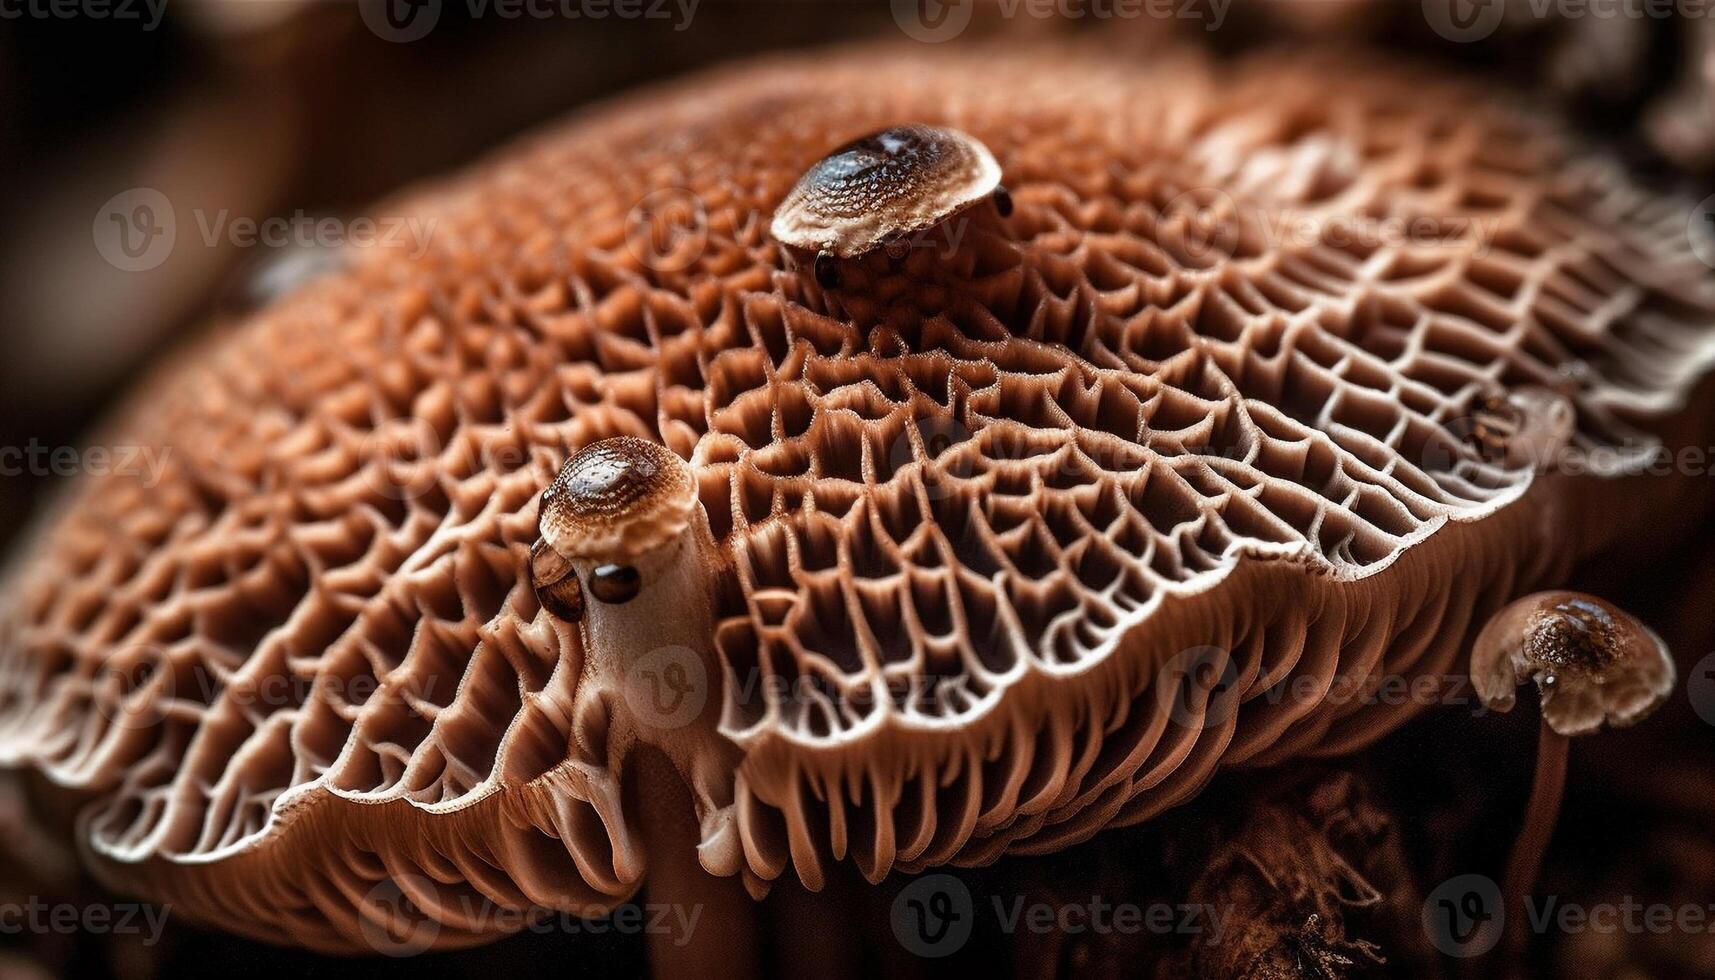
column 940, row 539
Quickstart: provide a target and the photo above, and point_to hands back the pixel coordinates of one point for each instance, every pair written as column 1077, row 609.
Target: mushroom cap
column 617, row 499
column 1594, row 663
column 989, row 517
column 892, row 182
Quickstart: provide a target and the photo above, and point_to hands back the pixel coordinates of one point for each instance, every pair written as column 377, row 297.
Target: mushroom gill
column 976, row 533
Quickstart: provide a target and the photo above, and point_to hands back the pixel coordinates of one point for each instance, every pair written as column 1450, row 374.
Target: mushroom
column 623, row 516
column 882, row 187
column 616, row 504
column 999, row 547
column 1593, row 664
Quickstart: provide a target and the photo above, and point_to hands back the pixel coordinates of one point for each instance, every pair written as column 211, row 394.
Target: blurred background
column 272, row 114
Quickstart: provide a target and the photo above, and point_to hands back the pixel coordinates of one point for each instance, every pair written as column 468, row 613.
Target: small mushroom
column 1592, row 663
column 623, row 518
column 613, row 503
column 883, row 186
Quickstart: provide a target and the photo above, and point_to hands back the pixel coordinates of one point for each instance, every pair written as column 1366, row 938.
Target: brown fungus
column 886, row 185
column 1593, row 664
column 969, row 545
column 613, row 504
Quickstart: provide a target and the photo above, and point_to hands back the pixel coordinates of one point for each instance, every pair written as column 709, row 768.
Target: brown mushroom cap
column 890, row 183
column 616, row 499
column 971, row 510
column 1594, row 663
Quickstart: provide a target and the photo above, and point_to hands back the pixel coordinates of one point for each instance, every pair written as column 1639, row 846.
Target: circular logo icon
column 135, row 230
column 933, row 916
column 1201, row 686
column 1463, row 916
column 1700, row 688
column 668, row 229
column 399, row 21
column 1207, row 218
column 667, row 687
column 397, row 458
column 1701, row 230
column 933, row 21
column 134, row 687
column 939, row 433
column 1463, row 21
column 391, row 923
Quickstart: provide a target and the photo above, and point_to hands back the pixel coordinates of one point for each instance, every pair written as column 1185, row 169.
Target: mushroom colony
column 956, row 525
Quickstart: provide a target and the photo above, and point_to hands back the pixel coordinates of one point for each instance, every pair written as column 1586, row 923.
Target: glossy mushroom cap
column 971, row 534
column 892, row 182
column 1593, row 663
column 617, row 499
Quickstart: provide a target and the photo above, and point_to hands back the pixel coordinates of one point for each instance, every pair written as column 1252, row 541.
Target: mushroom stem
column 714, row 918
column 1540, row 814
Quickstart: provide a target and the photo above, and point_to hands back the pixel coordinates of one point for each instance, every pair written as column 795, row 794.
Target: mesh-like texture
column 978, row 500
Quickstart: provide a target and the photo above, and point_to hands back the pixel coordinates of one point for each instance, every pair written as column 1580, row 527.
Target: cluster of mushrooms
column 871, row 535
